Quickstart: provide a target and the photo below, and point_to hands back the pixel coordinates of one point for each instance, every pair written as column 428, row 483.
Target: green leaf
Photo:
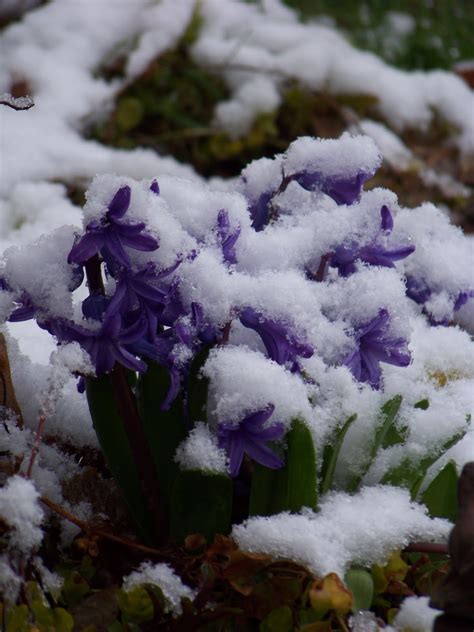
column 164, row 430
column 331, row 454
column 385, row 435
column 268, row 491
column 113, row 440
column 74, row 589
column 201, row 502
column 424, row 404
column 136, row 605
column 360, row 583
column 440, row 495
column 198, row 387
column 411, row 473
column 302, row 470
column 63, row 621
column 17, row 619
column 278, row 620
column 129, row 113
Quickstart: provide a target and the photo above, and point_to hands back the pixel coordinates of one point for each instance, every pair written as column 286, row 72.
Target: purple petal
column 128, row 230
column 128, row 360
column 94, row 306
column 120, row 297
column 272, row 433
column 22, row 313
column 155, row 187
column 353, row 363
column 387, row 220
column 461, row 300
column 148, row 291
column 114, row 249
column 86, row 247
column 259, row 417
column 120, row 203
column 259, row 211
column 134, row 332
column 143, row 242
column 262, row 454
column 111, row 326
column 236, row 455
column 371, row 372
column 175, row 385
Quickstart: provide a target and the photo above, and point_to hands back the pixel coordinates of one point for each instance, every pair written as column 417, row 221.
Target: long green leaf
column 268, row 491
column 411, row 473
column 112, row 437
column 198, row 387
column 201, row 502
column 302, row 469
column 331, row 454
column 384, row 436
column 164, row 430
column 440, row 495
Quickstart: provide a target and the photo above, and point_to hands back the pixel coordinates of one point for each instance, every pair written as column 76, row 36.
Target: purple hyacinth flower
column 260, row 210
column 105, row 345
column 375, row 345
column 140, row 291
column 227, row 237
column 110, row 235
column 249, row 437
column 26, row 311
column 462, row 299
column 343, row 190
column 344, row 258
column 417, row 289
column 282, row 345
column 387, row 219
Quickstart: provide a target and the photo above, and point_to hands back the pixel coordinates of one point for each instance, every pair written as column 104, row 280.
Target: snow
column 415, row 615
column 242, row 380
column 199, row 451
column 370, row 526
column 393, row 150
column 345, row 156
column 164, row 577
column 20, row 510
column 250, row 42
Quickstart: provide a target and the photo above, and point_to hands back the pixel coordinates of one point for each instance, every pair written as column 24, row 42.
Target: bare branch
column 16, row 103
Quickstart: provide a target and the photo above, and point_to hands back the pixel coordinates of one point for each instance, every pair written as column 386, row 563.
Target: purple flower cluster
column 110, row 235
column 343, row 190
column 144, row 318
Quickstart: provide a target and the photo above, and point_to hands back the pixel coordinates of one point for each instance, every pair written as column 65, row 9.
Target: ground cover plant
column 257, row 395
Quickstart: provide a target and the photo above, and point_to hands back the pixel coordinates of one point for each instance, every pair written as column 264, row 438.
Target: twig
column 90, row 530
column 341, row 622
column 16, row 103
column 36, row 444
column 426, row 547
